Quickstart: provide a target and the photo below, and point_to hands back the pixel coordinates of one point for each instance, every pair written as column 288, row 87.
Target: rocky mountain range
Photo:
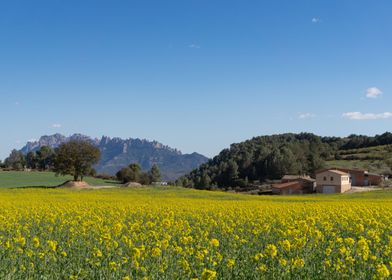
column 118, row 153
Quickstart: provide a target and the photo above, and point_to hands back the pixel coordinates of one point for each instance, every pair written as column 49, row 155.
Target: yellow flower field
column 187, row 234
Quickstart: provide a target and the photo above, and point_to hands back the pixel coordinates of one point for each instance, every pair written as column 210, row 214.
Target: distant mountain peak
column 118, row 153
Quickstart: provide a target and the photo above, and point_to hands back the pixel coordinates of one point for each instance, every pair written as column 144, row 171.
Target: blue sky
column 195, row 75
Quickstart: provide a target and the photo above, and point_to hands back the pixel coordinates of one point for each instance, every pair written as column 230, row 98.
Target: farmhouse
column 361, row 178
column 332, row 181
column 292, row 184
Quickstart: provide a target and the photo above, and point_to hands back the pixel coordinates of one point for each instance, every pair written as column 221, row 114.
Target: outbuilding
column 292, row 184
column 361, row 177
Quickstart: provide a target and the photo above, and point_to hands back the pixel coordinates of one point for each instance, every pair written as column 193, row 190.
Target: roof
column 333, row 171
column 290, row 177
column 374, row 174
column 352, row 170
column 285, row 185
column 297, row 177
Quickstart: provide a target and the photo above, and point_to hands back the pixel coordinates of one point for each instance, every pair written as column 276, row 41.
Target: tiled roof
column 297, row 177
column 285, row 185
column 333, row 171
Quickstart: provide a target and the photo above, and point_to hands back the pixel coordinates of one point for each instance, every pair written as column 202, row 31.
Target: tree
column 124, row 175
column 132, row 173
column 76, row 158
column 45, row 157
column 16, row 160
column 31, row 160
column 205, row 181
column 154, row 174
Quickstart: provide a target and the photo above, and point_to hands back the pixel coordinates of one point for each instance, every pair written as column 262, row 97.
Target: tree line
column 75, row 158
column 42, row 160
column 133, row 173
column 270, row 157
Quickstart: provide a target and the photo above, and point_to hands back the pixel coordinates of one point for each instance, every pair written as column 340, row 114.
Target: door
column 353, row 180
column 328, row 189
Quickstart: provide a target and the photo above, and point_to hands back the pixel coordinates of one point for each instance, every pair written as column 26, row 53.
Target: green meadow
column 18, row 179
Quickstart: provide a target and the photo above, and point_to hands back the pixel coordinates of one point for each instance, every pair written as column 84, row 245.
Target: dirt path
column 363, row 189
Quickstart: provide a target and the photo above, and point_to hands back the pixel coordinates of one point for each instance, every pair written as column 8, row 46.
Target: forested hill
column 270, row 157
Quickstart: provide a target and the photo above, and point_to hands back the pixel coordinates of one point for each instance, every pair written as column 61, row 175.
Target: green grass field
column 15, row 179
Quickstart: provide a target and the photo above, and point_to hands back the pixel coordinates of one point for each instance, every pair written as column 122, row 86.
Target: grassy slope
column 14, row 179
column 371, row 159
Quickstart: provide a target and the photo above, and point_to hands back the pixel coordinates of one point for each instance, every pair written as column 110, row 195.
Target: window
column 325, row 178
column 331, row 178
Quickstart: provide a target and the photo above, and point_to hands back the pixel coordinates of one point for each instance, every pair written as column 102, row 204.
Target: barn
column 361, row 178
column 294, row 185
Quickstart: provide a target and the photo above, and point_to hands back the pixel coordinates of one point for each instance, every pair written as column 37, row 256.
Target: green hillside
column 267, row 158
column 16, row 179
column 372, row 159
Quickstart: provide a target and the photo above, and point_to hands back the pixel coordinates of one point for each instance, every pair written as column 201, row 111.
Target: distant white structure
column 159, row 183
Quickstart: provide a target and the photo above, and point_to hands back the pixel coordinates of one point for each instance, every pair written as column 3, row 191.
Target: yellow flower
column 113, row 266
column 166, row 223
column 136, row 253
column 258, row 256
column 156, row 252
column 36, row 242
column 97, row 253
column 349, row 241
column 184, row 265
column 286, row 245
column 343, row 250
column 271, row 250
column 118, row 228
column 299, row 263
column 64, row 254
column 21, row 241
column 383, row 271
column 52, row 245
column 328, row 251
column 230, row 263
column 208, row 274
column 282, row 262
column 214, row 242
column 262, row 268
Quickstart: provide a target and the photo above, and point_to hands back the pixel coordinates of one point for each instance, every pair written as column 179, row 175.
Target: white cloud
column 373, row 92
column 367, row 116
column 316, row 20
column 194, row 46
column 303, row 116
column 56, row 125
